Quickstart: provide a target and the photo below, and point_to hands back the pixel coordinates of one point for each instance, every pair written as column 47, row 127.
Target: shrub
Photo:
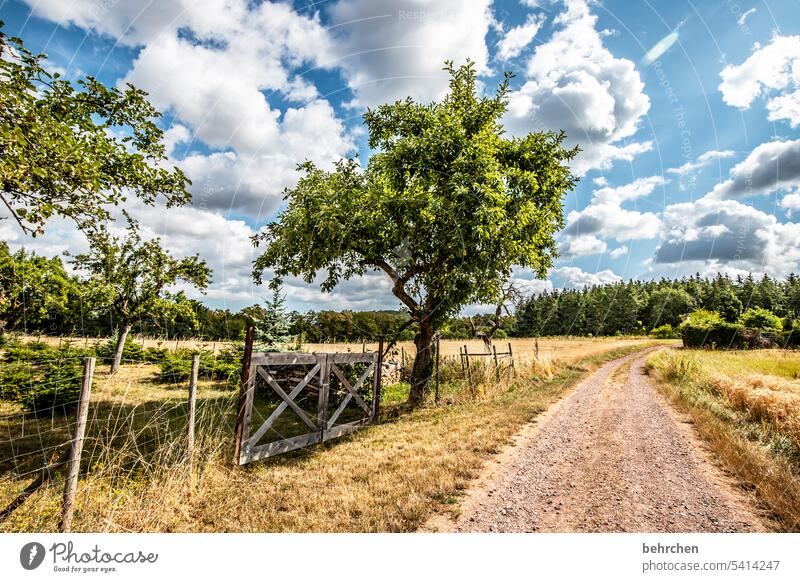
column 155, row 355
column 131, row 351
column 761, row 319
column 60, row 386
column 707, row 329
column 225, row 366
column 665, row 331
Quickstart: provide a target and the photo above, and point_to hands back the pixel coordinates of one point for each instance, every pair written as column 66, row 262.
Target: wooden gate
column 295, row 400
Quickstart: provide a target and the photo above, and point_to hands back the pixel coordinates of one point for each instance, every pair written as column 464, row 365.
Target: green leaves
column 72, row 150
column 445, row 207
column 131, row 277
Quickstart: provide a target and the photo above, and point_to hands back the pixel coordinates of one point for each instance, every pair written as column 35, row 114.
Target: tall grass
column 747, row 405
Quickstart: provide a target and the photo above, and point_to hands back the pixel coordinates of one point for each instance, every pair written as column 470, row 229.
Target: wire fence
column 59, row 419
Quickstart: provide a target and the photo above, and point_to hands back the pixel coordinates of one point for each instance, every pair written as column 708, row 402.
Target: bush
column 60, row 386
column 156, row 355
column 131, row 351
column 707, row 329
column 665, row 331
column 224, row 367
column 762, row 320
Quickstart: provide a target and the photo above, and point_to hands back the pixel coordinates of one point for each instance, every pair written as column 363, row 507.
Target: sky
column 687, row 114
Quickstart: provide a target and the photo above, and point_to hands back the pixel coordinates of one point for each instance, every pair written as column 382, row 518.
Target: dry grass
column 747, row 405
column 386, row 477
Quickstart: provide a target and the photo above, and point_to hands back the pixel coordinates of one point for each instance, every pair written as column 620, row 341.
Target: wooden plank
column 278, row 359
column 281, row 407
column 352, row 358
column 241, row 429
column 354, row 389
column 377, row 380
column 344, row 429
column 339, row 410
column 283, row 446
column 285, row 397
column 324, row 391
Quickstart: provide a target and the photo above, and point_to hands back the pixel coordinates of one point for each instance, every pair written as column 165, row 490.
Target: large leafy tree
column 75, row 150
column 130, row 277
column 445, row 207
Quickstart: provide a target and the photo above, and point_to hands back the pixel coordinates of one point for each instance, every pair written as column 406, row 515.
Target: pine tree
column 272, row 329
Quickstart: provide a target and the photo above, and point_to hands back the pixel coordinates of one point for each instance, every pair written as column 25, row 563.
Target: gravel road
column 611, row 456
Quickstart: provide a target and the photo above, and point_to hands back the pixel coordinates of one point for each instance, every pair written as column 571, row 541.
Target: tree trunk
column 123, row 335
column 423, row 363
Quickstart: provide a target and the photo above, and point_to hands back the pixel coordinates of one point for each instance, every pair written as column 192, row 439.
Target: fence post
column 496, row 365
column 324, row 393
column 76, row 448
column 511, row 355
column 469, row 368
column 376, row 387
column 192, row 406
column 402, row 357
column 241, row 406
column 438, row 354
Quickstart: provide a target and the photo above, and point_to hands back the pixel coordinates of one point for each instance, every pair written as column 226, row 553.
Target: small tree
column 130, row 277
column 445, row 207
column 761, row 319
column 72, row 151
column 272, row 329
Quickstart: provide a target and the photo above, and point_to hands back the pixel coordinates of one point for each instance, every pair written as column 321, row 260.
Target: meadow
column 390, row 476
column 746, row 405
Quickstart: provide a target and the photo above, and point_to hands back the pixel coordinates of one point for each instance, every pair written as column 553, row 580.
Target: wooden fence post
column 376, row 389
column 76, row 448
column 496, row 364
column 511, row 355
column 324, row 393
column 438, row 354
column 241, row 406
column 192, row 405
column 469, row 368
column 402, row 357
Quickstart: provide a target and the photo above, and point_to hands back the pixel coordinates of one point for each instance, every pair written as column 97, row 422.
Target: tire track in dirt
column 611, row 456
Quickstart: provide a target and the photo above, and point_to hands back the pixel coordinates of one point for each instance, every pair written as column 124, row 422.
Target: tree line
column 639, row 307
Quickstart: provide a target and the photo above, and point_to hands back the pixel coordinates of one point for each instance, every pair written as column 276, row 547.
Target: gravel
column 612, row 456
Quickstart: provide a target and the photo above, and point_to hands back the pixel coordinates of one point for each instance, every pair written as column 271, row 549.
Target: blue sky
column 688, row 114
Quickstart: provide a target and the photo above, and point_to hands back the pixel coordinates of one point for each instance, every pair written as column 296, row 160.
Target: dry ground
column 387, row 477
column 611, row 456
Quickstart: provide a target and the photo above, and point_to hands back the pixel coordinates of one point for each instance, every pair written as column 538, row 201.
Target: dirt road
column 611, row 456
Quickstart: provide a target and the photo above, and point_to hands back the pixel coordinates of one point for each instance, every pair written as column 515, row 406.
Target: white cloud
column 791, row 202
column 688, row 171
column 774, row 68
column 605, row 216
column 770, row 167
column 744, row 16
column 582, row 246
column 577, row 277
column 517, row 38
column 618, row 252
column 727, row 232
column 390, row 49
column 576, row 84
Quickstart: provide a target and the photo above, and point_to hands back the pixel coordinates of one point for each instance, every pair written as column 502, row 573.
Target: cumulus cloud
column 791, row 202
column 577, row 277
column 390, row 49
column 618, row 252
column 576, row 84
column 517, row 38
column 582, row 246
column 770, row 167
column 774, row 70
column 728, row 232
column 605, row 216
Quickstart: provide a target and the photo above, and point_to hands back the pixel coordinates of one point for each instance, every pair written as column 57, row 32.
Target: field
column 388, row 477
column 747, row 407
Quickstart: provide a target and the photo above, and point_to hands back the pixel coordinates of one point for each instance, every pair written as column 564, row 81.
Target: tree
column 761, row 319
column 73, row 151
column 272, row 329
column 130, row 277
column 445, row 207
column 668, row 306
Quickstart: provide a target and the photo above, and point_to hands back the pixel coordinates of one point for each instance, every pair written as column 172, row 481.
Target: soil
column 612, row 456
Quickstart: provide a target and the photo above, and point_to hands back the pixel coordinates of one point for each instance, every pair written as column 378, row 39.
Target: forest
column 40, row 295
